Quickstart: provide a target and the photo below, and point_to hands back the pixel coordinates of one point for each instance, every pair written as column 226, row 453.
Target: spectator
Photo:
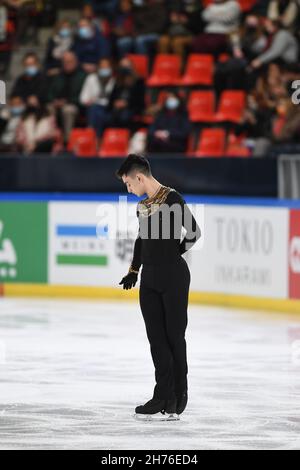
column 37, row 131
column 150, row 19
column 127, row 99
column 7, row 35
column 287, row 11
column 286, row 126
column 122, row 27
column 283, row 46
column 90, row 45
column 246, row 45
column 27, row 14
column 261, row 8
column 96, row 94
column 256, row 122
column 193, row 10
column 65, row 90
column 100, row 24
column 177, row 37
column 270, row 87
column 105, row 7
column 31, row 85
column 253, row 39
column 222, row 18
column 59, row 43
column 10, row 118
column 170, row 130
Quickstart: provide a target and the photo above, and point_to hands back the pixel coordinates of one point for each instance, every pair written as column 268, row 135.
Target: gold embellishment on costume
column 150, row 205
column 131, row 270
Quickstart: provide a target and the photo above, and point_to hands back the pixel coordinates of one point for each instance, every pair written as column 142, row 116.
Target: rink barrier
column 111, row 293
column 37, row 282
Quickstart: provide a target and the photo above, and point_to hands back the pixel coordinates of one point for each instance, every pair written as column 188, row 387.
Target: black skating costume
column 164, row 288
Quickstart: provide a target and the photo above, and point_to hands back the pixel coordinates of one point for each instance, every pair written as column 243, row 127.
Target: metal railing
column 289, row 176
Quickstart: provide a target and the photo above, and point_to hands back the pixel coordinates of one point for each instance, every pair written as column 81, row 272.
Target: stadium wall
column 61, row 245
column 247, row 177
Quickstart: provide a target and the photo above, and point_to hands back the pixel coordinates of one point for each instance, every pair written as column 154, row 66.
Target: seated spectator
column 27, row 14
column 65, row 90
column 178, row 35
column 59, row 43
column 170, row 129
column 128, row 96
column 283, row 46
column 37, row 131
column 256, row 122
column 10, row 118
column 122, row 27
column 286, row 11
column 90, row 45
column 149, row 21
column 270, row 87
column 193, row 10
column 31, row 85
column 253, row 40
column 105, row 7
column 96, row 94
column 7, row 35
column 222, row 18
column 100, row 23
column 261, row 8
column 286, row 126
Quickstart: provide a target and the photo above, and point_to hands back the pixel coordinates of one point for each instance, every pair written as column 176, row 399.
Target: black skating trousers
column 163, row 298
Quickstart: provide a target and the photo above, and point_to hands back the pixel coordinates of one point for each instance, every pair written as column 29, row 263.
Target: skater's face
column 134, row 184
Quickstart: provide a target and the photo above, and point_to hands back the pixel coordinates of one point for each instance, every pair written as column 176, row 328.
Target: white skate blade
column 157, row 417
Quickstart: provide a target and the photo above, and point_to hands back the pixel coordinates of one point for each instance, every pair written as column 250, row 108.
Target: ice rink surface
column 72, row 372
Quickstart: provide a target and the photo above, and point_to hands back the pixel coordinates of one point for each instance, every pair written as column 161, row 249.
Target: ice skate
column 157, row 410
column 182, row 399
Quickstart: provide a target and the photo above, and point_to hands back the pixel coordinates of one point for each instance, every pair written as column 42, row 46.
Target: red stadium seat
column 199, row 70
column 201, row 106
column 231, row 106
column 245, row 5
column 211, row 143
column 86, row 149
column 140, row 63
column 114, row 143
column 83, row 142
column 237, row 150
column 236, row 147
column 166, row 70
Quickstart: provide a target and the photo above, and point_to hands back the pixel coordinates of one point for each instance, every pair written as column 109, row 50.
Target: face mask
column 85, row 32
column 17, row 110
column 31, row 70
column 104, row 73
column 172, row 103
column 65, row 33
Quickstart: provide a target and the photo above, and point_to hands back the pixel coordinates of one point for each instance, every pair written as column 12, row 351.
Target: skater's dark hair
column 132, row 164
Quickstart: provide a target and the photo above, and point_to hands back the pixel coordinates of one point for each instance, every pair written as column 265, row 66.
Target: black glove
column 129, row 280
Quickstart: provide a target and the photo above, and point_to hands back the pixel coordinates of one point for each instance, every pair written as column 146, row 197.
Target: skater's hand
column 129, row 280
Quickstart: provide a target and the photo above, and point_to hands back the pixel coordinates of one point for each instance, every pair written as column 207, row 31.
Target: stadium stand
column 236, row 95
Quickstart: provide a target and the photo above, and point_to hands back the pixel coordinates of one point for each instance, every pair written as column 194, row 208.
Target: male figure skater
column 165, row 282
